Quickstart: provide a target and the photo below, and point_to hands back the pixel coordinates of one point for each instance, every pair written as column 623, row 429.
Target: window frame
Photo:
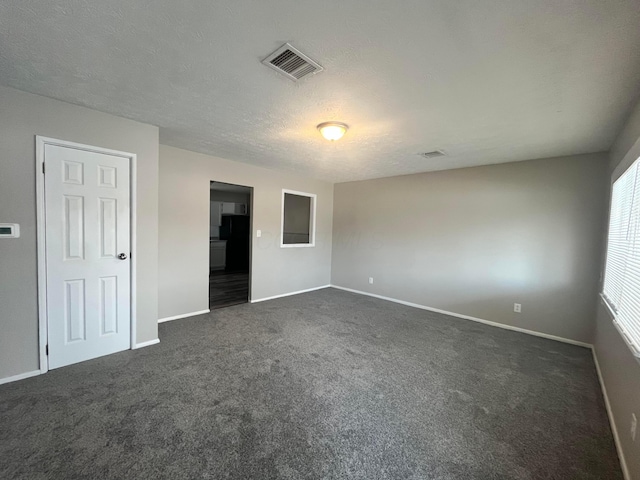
column 312, row 220
column 614, row 310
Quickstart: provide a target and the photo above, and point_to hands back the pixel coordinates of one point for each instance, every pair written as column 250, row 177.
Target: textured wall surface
column 620, row 370
column 23, row 117
column 488, row 82
column 475, row 241
column 184, row 231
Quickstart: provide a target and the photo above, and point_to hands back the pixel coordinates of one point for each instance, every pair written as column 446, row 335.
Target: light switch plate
column 258, row 233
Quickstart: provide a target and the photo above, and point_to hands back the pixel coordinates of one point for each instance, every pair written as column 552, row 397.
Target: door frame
column 252, row 190
column 41, row 142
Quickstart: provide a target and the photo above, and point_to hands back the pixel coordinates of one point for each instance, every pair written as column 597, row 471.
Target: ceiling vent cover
column 292, row 63
column 433, row 154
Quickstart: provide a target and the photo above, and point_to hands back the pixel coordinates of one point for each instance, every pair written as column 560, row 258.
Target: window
column 621, row 287
column 298, row 219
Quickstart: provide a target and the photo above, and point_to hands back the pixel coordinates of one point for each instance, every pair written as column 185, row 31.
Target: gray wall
column 475, row 241
column 23, row 117
column 620, row 370
column 184, row 230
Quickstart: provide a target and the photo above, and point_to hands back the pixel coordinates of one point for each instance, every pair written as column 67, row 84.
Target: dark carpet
column 325, row 385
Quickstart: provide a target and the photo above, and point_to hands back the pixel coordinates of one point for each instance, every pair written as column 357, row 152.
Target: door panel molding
column 76, row 176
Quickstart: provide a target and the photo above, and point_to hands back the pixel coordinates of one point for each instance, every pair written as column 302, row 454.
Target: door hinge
column 46, row 349
column 42, row 167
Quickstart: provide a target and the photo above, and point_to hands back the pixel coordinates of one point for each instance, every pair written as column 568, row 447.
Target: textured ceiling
column 488, row 81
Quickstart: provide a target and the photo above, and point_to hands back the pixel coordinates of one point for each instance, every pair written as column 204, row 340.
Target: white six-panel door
column 87, row 254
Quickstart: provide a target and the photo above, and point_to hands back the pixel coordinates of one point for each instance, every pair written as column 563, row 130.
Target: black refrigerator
column 236, row 230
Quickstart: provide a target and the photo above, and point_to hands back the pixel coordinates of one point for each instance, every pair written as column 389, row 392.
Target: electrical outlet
column 634, row 426
column 517, row 307
column 370, row 280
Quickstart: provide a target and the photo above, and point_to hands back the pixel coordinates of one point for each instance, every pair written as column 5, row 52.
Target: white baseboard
column 21, row 376
column 184, row 315
column 289, row 294
column 146, row 344
column 467, row 317
column 614, row 429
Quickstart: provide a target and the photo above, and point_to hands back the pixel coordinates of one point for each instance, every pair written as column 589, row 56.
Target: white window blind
column 622, row 271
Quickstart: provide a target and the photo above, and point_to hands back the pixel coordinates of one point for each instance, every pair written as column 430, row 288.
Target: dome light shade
column 333, row 131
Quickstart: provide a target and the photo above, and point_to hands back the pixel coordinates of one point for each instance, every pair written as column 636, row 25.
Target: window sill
column 634, row 350
column 606, row 303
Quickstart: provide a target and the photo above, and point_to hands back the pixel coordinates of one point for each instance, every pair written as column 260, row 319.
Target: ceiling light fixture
column 333, row 131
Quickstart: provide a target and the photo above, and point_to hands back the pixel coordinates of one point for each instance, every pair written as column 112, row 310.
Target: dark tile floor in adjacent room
column 324, row 385
column 228, row 288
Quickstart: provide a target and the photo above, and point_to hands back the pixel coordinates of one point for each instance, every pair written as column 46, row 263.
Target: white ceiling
column 488, row 81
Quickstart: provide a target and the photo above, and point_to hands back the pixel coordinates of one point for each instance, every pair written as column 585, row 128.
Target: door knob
column 122, row 256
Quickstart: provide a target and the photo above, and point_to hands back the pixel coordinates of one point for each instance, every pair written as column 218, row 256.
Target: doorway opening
column 229, row 244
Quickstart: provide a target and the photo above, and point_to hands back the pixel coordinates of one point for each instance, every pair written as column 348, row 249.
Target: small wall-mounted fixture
column 9, row 230
column 333, row 131
column 432, row 154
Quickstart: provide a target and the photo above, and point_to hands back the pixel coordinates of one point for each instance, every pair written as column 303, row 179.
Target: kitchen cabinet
column 216, row 214
column 230, row 208
column 217, row 254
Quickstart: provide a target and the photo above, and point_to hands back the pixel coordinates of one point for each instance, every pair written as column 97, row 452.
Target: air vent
column 292, row 63
column 434, row 154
